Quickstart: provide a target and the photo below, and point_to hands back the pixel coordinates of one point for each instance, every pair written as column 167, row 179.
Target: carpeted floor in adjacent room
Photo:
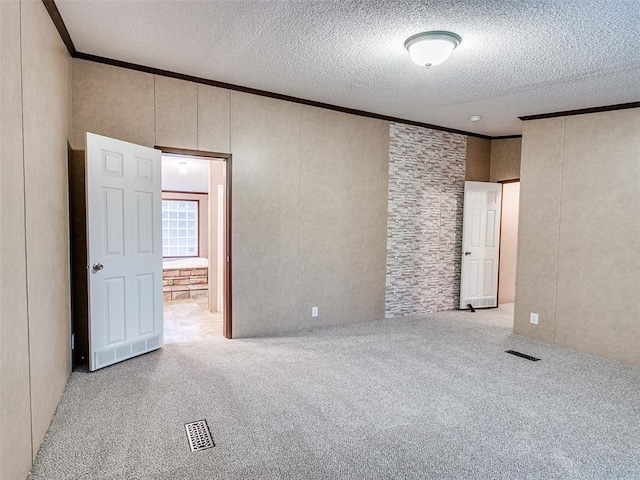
column 433, row 397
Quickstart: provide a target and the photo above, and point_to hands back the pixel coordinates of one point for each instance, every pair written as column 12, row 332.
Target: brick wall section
column 182, row 284
column 424, row 232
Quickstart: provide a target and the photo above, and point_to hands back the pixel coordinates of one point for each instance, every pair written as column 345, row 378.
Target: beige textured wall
column 580, row 198
column 505, row 159
column 296, row 171
column 538, row 228
column 266, row 173
column 36, row 354
column 176, row 111
column 15, row 416
column 343, row 217
column 112, row 101
column 46, row 73
column 203, row 218
column 148, row 109
column 508, row 242
column 214, row 117
column 478, row 166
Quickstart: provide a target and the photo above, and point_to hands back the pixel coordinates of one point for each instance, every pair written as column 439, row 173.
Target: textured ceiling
column 518, row 57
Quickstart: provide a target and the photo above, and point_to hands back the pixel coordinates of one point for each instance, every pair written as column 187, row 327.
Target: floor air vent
column 199, row 435
column 523, row 355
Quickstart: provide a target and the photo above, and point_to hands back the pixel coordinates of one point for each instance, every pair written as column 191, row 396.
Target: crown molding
column 582, row 111
column 54, row 13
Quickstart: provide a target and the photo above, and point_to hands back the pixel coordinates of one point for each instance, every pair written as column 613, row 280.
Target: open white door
column 124, row 250
column 480, row 244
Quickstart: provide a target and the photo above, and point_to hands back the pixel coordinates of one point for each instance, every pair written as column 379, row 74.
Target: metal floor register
column 199, row 435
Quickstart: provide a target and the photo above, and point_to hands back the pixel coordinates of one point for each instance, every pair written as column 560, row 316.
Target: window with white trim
column 179, row 228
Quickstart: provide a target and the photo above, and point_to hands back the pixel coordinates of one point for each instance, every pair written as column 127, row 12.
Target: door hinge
column 73, row 341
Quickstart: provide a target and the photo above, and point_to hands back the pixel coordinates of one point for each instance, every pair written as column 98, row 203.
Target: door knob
column 467, row 253
column 97, row 267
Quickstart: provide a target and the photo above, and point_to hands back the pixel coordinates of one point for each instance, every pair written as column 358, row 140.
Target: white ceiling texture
column 517, row 57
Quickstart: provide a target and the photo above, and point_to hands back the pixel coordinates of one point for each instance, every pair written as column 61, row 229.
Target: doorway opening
column 508, row 245
column 195, row 245
column 489, row 253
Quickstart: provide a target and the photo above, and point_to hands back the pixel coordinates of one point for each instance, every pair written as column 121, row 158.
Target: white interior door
column 124, row 250
column 480, row 244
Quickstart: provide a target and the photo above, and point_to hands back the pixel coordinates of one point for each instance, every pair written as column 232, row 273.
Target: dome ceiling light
column 431, row 48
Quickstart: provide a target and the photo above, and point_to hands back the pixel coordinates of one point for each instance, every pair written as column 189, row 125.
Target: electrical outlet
column 314, row 311
column 534, row 318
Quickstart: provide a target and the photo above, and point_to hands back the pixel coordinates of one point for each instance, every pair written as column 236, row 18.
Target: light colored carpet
column 433, row 397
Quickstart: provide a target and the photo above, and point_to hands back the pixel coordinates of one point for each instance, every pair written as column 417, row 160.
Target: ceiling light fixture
column 475, row 118
column 431, row 48
column 182, row 167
